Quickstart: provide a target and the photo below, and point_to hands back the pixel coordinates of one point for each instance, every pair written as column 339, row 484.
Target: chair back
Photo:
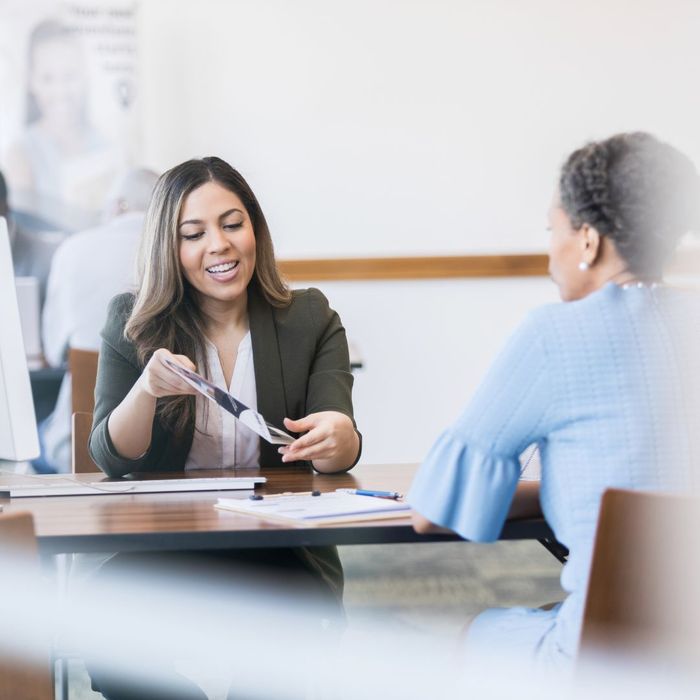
column 642, row 596
column 81, row 461
column 83, row 369
column 20, row 678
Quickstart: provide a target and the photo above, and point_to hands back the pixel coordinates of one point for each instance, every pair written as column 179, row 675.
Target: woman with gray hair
column 606, row 384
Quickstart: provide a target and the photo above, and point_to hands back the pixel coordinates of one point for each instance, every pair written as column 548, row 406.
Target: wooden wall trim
column 432, row 267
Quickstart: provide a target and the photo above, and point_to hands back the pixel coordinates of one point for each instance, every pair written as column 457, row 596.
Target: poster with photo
column 69, row 120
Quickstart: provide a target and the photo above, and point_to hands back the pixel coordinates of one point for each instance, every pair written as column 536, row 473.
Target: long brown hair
column 166, row 313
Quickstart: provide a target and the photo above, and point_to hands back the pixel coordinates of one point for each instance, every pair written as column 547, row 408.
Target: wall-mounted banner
column 68, row 124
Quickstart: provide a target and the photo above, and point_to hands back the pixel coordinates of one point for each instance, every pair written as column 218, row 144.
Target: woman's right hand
column 158, row 380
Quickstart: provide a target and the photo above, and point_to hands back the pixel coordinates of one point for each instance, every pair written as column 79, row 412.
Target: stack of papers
column 307, row 510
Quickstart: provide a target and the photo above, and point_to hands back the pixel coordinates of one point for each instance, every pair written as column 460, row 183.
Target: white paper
column 247, row 416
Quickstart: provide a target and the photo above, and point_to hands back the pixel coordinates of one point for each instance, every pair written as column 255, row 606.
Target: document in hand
column 307, row 510
column 246, row 415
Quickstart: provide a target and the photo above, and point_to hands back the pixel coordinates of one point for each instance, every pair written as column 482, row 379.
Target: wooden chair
column 81, row 462
column 20, row 679
column 83, row 369
column 642, row 596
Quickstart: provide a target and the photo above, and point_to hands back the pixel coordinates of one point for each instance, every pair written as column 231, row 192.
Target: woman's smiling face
column 216, row 243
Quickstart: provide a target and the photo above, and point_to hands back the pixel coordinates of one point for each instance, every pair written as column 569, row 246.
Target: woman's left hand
column 330, row 442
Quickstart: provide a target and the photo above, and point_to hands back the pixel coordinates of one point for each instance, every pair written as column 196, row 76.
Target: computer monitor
column 29, row 306
column 18, row 434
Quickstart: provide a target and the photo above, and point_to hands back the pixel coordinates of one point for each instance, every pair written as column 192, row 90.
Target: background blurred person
column 61, row 166
column 4, row 204
column 88, row 269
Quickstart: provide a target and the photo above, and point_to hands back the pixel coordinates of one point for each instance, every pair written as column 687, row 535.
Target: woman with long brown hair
column 211, row 298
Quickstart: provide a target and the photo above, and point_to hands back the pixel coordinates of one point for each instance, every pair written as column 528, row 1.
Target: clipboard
column 250, row 418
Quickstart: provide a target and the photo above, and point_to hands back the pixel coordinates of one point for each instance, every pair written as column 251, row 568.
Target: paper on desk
column 246, row 415
column 305, row 510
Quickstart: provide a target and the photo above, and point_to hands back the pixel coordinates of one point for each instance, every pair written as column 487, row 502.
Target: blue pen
column 368, row 492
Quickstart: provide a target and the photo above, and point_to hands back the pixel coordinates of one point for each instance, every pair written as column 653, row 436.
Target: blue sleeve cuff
column 465, row 489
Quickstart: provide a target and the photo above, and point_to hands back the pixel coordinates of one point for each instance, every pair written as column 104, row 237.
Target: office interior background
column 387, row 128
column 378, row 129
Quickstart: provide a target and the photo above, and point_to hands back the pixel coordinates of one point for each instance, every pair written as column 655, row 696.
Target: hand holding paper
column 246, row 415
column 158, row 380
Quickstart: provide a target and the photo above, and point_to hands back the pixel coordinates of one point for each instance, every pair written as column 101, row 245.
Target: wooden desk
column 174, row 521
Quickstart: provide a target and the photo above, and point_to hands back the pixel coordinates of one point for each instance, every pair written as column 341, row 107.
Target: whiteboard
column 380, row 127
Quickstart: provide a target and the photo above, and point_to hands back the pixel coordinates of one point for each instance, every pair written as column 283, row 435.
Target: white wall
column 425, row 346
column 404, row 126
column 379, row 127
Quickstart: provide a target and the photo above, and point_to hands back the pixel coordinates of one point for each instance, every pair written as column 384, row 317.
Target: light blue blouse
column 608, row 388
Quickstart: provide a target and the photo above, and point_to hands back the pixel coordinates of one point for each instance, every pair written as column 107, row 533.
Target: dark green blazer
column 301, row 363
column 302, row 366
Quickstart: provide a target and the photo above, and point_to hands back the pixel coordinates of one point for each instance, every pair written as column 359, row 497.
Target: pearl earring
column 583, row 266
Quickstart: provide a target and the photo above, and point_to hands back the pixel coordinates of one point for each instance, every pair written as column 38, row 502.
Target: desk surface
column 172, row 521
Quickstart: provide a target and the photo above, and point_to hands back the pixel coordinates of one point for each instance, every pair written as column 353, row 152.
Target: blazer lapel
column 269, row 379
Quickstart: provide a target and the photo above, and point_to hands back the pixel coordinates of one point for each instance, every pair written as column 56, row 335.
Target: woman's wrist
column 141, row 393
column 130, row 423
column 344, row 459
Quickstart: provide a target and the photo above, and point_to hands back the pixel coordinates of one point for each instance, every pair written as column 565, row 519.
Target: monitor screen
column 18, row 432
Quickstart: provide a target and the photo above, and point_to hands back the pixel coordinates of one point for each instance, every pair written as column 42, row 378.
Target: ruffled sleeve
column 468, row 479
column 465, row 489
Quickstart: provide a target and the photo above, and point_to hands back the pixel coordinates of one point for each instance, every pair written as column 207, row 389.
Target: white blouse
column 220, row 440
